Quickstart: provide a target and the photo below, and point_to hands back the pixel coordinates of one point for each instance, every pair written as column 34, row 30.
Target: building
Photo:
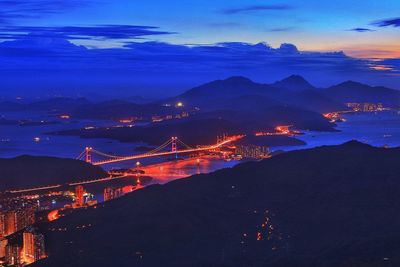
column 12, row 221
column 33, row 248
column 79, row 198
column 3, row 245
column 24, row 217
column 112, row 193
column 13, row 255
column 2, row 225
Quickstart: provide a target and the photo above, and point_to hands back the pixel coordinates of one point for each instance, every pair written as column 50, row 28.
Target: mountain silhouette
column 357, row 92
column 332, row 206
column 294, row 83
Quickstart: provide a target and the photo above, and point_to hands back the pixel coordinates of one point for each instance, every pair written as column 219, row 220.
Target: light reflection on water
column 167, row 171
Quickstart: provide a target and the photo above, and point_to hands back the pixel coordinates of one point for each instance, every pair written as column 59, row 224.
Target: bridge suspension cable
column 159, row 151
column 167, row 143
column 183, row 144
column 105, row 154
column 81, row 156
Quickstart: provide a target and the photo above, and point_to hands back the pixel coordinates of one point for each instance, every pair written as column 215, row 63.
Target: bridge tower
column 174, row 146
column 173, row 143
column 88, row 154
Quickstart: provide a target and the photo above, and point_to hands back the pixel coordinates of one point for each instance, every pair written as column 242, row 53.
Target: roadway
column 166, row 153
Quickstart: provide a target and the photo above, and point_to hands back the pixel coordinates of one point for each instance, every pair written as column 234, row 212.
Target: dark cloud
column 157, row 67
column 361, row 30
column 115, row 32
column 247, row 9
column 281, row 29
column 395, row 22
column 11, row 10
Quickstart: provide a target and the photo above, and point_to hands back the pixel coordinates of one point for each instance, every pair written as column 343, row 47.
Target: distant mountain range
column 241, row 104
column 357, row 92
column 293, row 91
column 332, row 206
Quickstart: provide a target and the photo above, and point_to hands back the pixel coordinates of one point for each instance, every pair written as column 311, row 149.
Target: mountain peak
column 296, row 78
column 352, row 83
column 238, row 79
column 295, row 83
column 355, row 143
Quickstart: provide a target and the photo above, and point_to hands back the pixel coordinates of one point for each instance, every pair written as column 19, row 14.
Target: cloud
column 395, row 22
column 112, row 32
column 255, row 8
column 281, row 29
column 158, row 67
column 361, row 30
column 21, row 9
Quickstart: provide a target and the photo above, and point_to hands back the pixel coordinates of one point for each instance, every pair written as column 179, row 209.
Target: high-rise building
column 33, row 246
column 18, row 219
column 3, row 245
column 2, row 224
column 10, row 222
column 79, row 199
column 24, row 217
column 15, row 216
column 13, row 255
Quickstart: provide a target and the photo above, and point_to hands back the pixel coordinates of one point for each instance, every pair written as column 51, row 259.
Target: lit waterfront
column 171, row 170
column 17, row 140
column 376, row 129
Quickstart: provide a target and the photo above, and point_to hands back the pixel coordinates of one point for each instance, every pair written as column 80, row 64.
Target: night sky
column 159, row 48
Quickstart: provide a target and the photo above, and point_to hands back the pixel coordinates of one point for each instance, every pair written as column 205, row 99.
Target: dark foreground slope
column 331, row 206
column 29, row 171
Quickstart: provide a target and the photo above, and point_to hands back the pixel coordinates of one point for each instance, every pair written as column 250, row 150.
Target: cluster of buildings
column 156, row 118
column 252, row 151
column 20, row 243
column 16, row 215
column 366, row 107
column 81, row 199
column 23, row 249
column 111, row 193
column 183, row 114
column 179, row 113
column 280, row 130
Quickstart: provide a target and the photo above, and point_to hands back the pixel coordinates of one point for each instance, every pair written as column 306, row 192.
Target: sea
column 377, row 129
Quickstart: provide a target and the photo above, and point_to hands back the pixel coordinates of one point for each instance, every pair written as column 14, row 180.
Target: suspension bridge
column 174, row 145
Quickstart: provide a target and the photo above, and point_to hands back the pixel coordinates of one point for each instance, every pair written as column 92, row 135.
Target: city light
column 179, row 105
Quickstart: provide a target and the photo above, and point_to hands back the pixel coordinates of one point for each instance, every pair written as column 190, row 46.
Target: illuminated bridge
column 174, row 145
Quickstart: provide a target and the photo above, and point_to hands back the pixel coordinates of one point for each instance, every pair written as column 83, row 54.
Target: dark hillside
column 330, row 206
column 29, row 171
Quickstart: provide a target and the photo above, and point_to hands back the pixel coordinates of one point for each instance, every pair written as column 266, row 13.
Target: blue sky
column 311, row 25
column 367, row 32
